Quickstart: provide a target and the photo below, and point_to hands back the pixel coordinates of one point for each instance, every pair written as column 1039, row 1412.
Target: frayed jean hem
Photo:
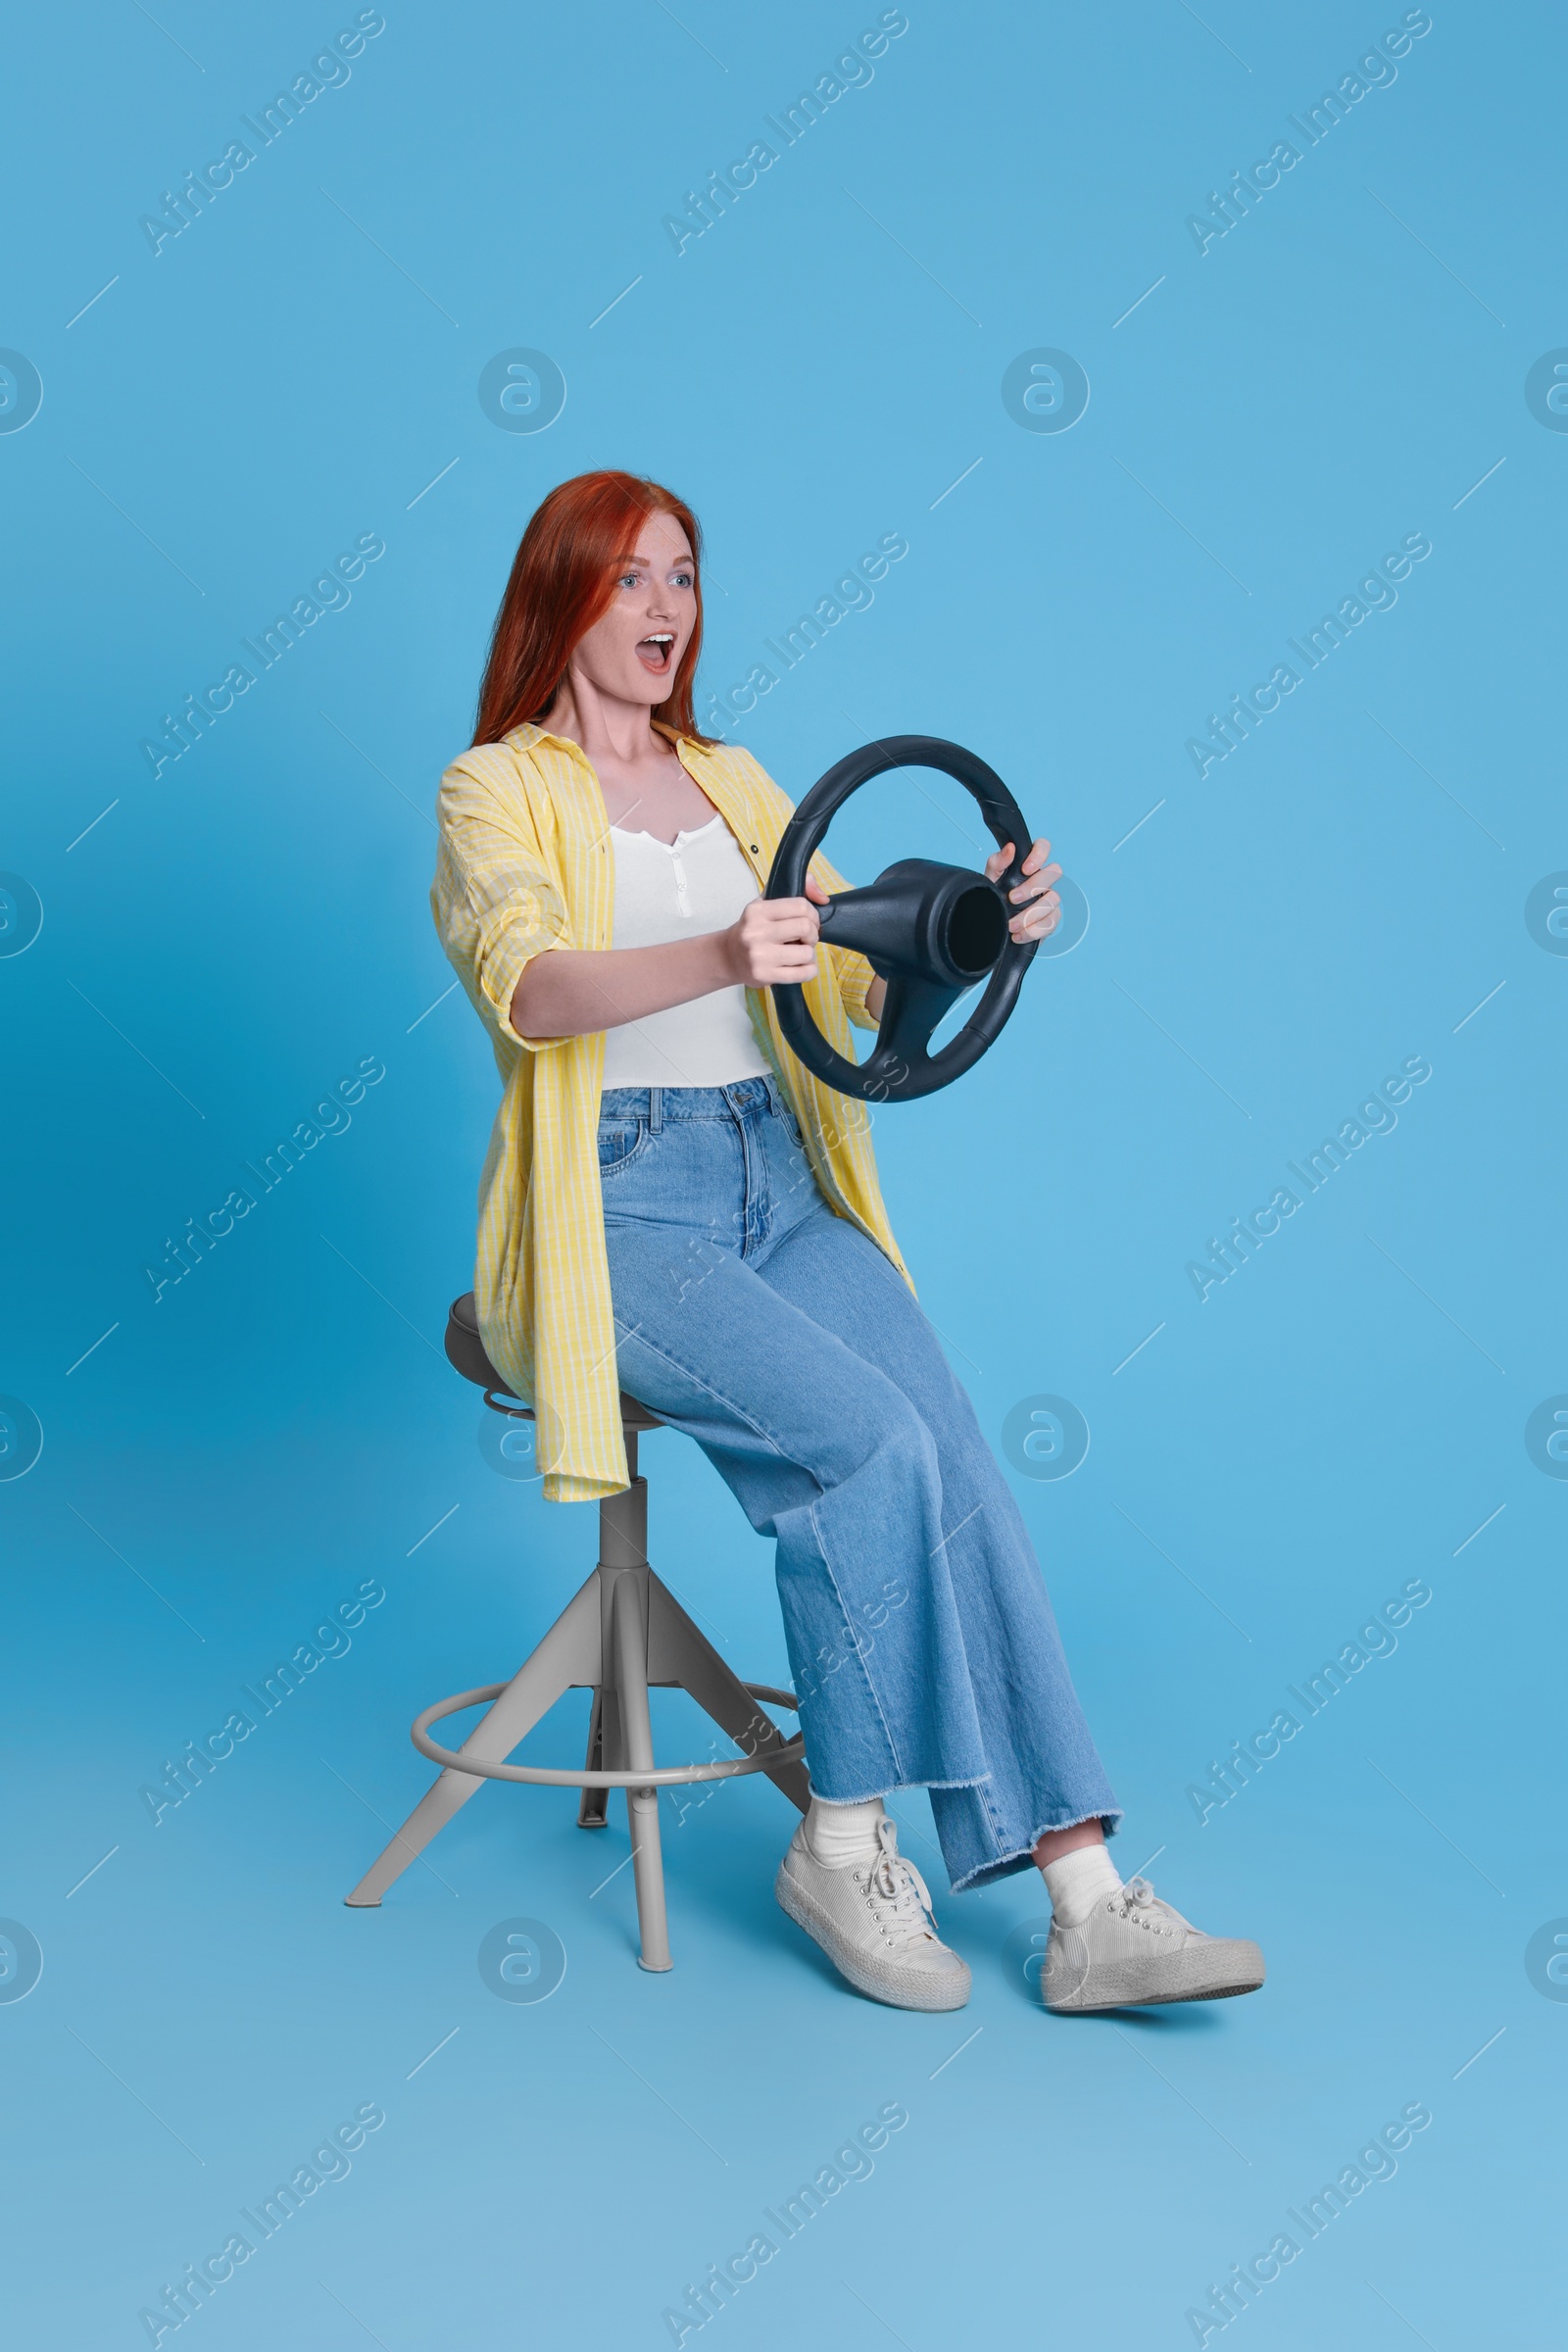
column 1008, row 1865
column 901, row 1788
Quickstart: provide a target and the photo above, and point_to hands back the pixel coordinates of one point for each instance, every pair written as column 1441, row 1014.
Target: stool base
column 622, row 1633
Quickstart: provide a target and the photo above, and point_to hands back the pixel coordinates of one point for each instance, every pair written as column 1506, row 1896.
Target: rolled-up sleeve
column 493, row 903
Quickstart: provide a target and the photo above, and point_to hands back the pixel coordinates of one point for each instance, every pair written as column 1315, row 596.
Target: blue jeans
column 922, row 1641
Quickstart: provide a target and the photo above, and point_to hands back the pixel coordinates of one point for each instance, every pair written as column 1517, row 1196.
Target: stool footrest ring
column 663, row 1776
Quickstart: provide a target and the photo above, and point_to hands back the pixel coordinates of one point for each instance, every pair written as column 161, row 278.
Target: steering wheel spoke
column 912, row 1011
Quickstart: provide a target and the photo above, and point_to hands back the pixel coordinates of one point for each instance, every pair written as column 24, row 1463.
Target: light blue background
column 1340, row 894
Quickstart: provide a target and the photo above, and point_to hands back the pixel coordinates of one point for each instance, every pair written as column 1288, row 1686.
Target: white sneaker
column 1134, row 1952
column 874, row 1920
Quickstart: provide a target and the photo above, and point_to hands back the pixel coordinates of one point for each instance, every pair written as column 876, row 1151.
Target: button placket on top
column 682, row 903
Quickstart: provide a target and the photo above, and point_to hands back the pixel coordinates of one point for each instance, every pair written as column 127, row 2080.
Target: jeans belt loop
column 656, row 1109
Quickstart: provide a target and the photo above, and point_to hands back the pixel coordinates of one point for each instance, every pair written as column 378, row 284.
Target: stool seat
column 465, row 1352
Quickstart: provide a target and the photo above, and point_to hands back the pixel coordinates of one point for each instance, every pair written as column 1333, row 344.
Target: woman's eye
column 629, row 579
column 683, row 579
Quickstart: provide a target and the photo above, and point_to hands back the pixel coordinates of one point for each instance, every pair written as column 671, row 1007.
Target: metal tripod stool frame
column 621, row 1634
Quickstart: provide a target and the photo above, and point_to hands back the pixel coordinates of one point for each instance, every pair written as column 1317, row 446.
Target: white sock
column 838, row 1836
column 1078, row 1881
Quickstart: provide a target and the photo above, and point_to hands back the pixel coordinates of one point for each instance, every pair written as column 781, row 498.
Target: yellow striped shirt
column 525, row 866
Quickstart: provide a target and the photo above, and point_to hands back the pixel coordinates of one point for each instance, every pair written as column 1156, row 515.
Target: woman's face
column 634, row 651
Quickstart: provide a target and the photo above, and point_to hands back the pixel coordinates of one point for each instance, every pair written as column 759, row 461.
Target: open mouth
column 657, row 651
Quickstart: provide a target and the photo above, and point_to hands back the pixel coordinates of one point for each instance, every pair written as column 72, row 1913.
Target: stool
column 620, row 1634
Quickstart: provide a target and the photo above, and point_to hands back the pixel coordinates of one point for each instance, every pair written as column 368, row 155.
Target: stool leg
column 630, row 1649
column 571, row 1653
column 592, row 1813
column 677, row 1652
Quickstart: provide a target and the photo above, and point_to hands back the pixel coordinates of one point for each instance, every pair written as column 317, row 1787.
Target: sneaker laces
column 1137, row 1894
column 901, row 1888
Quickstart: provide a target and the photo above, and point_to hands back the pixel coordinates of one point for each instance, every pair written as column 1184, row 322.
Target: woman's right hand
column 774, row 942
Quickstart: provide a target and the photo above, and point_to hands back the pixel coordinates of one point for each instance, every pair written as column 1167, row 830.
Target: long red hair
column 563, row 580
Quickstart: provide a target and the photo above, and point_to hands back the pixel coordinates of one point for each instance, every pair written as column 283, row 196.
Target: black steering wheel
column 932, row 932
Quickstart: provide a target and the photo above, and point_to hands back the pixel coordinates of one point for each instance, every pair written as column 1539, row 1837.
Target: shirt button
column 755, row 851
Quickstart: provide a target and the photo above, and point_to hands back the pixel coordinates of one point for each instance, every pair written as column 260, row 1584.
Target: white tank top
column 699, row 882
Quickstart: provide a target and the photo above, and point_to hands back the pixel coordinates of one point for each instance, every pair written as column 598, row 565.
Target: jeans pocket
column 620, row 1141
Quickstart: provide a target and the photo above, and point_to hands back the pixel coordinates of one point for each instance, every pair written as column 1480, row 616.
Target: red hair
column 563, row 580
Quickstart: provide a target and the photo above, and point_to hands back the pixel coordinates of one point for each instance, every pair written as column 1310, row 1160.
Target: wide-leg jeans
column 920, row 1638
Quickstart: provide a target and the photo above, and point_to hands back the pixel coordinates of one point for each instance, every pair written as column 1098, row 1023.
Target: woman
column 672, row 1206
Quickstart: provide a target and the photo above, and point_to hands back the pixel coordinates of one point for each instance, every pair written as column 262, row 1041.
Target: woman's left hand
column 1038, row 907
